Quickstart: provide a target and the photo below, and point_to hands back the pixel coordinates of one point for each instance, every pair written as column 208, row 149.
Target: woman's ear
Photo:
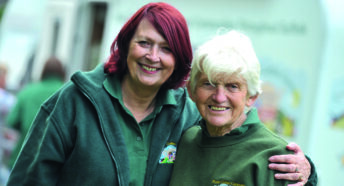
column 250, row 101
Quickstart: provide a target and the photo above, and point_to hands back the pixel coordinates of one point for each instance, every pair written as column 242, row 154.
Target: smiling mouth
column 218, row 108
column 150, row 69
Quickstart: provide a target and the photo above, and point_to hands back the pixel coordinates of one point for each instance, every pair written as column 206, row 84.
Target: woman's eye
column 166, row 49
column 208, row 84
column 143, row 43
column 233, row 87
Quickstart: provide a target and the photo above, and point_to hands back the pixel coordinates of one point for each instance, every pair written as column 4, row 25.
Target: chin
column 217, row 123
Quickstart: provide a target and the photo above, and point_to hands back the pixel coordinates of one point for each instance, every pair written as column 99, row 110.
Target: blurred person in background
column 117, row 124
column 7, row 100
column 31, row 97
column 231, row 145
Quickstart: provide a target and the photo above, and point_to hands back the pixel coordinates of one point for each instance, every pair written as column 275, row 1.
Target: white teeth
column 148, row 68
column 217, row 108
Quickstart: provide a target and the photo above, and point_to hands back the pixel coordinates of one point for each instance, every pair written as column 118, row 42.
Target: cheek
column 172, row 65
column 130, row 62
column 239, row 101
column 135, row 51
column 170, row 60
column 201, row 98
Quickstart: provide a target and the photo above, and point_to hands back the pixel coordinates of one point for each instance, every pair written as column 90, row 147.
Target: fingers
column 290, row 168
column 291, row 164
column 292, row 177
column 296, row 184
column 283, row 159
column 289, row 176
column 294, row 147
column 288, row 158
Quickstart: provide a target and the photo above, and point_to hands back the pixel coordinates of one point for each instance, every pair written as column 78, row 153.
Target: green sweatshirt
column 238, row 158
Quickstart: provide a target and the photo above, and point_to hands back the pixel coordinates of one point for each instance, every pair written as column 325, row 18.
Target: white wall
column 326, row 144
column 65, row 12
column 20, row 30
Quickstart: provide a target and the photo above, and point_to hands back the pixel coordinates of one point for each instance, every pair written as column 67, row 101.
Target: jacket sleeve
column 42, row 154
column 313, row 178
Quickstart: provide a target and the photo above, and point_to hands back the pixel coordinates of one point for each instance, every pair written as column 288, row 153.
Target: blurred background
column 299, row 43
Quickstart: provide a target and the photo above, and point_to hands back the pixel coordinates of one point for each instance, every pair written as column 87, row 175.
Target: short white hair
column 228, row 54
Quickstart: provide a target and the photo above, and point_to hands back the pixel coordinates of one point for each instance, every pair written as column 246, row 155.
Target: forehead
column 222, row 78
column 147, row 30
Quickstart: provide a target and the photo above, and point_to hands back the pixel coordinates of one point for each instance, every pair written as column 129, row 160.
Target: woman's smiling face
column 222, row 103
column 150, row 59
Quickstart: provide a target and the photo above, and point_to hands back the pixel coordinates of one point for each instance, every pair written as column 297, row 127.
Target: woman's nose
column 219, row 95
column 153, row 54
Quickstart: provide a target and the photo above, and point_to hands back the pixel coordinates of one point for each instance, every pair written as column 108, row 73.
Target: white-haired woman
column 231, row 146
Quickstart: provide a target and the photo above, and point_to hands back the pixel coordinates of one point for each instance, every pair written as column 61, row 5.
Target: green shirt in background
column 137, row 136
column 29, row 100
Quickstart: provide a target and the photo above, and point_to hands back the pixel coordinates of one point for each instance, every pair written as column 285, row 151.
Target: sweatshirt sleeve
column 42, row 154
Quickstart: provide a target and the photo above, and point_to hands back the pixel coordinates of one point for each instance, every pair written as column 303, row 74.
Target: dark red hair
column 171, row 24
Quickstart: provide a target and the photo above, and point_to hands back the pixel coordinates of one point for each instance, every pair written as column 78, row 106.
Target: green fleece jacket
column 76, row 139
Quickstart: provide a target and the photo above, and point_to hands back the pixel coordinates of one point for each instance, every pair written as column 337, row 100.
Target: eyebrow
column 146, row 37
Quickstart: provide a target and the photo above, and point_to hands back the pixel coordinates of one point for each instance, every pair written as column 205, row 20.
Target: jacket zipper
column 106, row 140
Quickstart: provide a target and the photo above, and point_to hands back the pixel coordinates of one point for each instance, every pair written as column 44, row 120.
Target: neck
column 139, row 100
column 221, row 131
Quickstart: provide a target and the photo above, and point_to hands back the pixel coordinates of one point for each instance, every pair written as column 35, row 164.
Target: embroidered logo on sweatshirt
column 168, row 155
column 225, row 183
